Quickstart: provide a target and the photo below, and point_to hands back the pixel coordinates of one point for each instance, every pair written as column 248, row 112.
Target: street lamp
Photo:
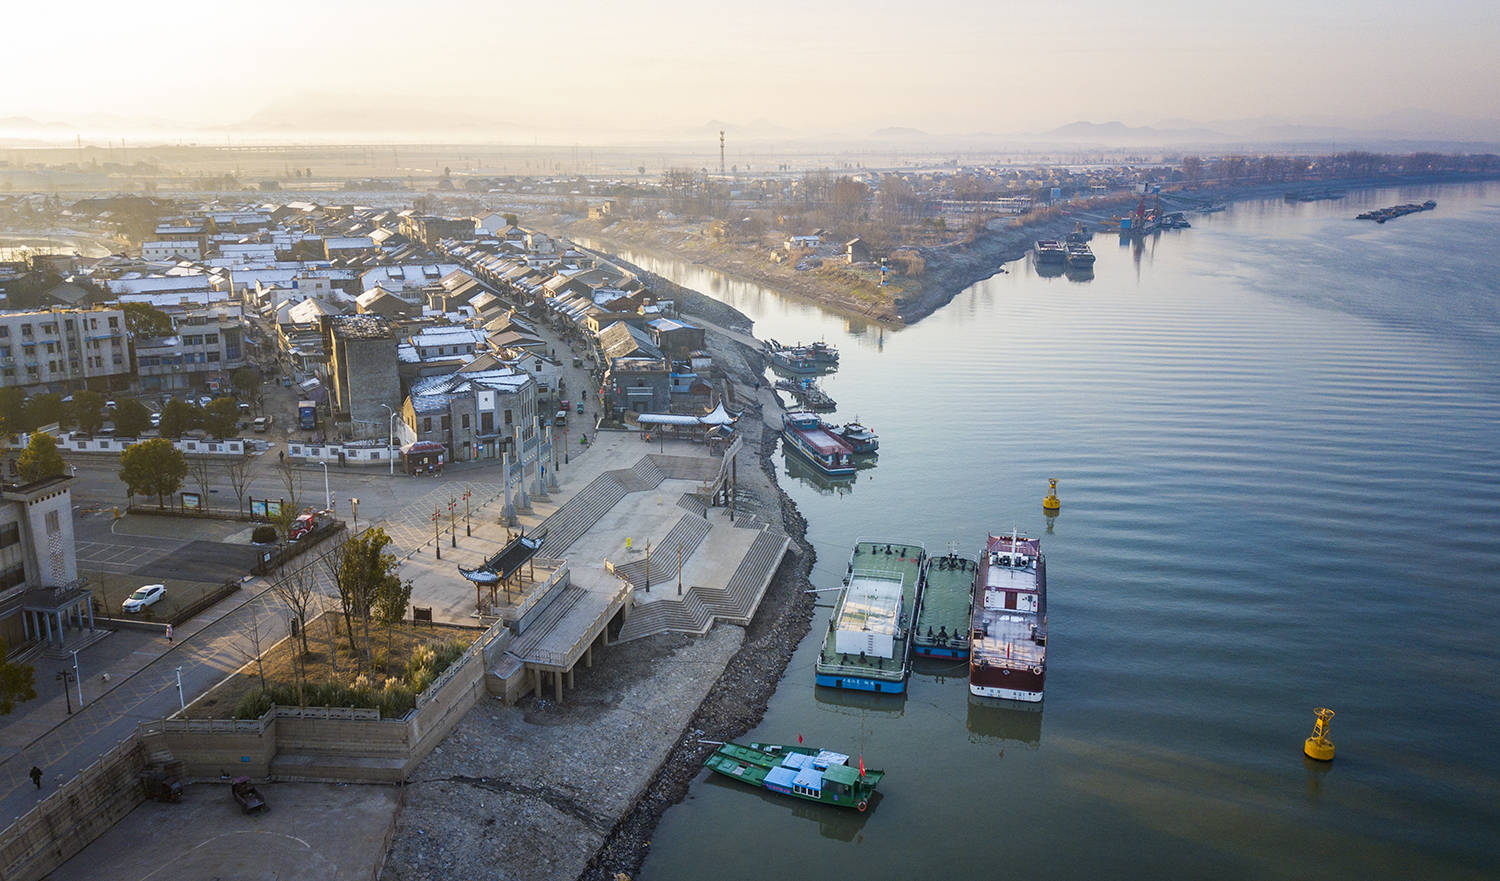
column 182, row 704
column 78, row 678
column 65, row 677
column 468, row 527
column 390, row 437
column 327, row 496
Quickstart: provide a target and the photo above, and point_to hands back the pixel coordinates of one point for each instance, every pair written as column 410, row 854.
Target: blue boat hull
column 857, row 683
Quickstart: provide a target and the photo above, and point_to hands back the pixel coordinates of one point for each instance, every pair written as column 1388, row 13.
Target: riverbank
column 549, row 790
column 949, row 268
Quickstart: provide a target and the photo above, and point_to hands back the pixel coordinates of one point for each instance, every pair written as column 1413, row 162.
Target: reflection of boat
column 819, row 775
column 799, row 468
column 942, row 629
column 837, row 825
column 1050, row 270
column 1050, row 251
column 1008, row 630
column 1085, row 273
column 869, row 634
column 861, row 703
column 991, row 719
column 804, row 433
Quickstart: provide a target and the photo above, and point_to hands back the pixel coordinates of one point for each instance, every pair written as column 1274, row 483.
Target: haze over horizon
column 595, row 71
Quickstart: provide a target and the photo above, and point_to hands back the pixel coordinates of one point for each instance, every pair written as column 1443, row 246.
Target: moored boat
column 795, row 361
column 859, row 438
column 868, row 644
column 1050, row 251
column 819, row 775
column 1080, row 256
column 804, row 433
column 942, row 629
column 1008, row 627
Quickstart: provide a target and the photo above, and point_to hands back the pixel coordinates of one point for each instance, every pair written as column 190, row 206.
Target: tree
column 363, row 572
column 88, row 411
column 17, row 683
column 131, row 418
column 44, row 409
column 247, row 387
column 153, row 467
column 237, row 468
column 392, row 596
column 178, row 417
column 221, row 418
column 198, row 469
column 291, row 476
column 12, row 412
column 40, row 459
column 145, row 320
column 297, row 588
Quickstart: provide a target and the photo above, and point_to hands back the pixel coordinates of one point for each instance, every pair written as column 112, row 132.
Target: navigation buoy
column 1051, row 502
column 1318, row 746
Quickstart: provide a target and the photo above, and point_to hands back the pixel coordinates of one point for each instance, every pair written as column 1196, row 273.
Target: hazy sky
column 940, row 65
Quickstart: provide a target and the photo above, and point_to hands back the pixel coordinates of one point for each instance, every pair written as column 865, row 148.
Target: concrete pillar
column 570, row 678
column 557, row 678
column 508, row 513
column 536, row 674
column 90, row 607
column 26, row 625
column 537, row 489
column 588, row 657
column 523, row 501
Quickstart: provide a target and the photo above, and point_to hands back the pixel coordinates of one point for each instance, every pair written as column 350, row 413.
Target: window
column 213, row 357
column 211, row 338
column 466, row 421
column 507, row 417
column 25, row 330
column 52, row 348
column 53, row 524
column 4, row 351
column 10, row 534
column 426, row 424
column 13, row 576
column 4, row 331
column 447, row 423
column 114, row 322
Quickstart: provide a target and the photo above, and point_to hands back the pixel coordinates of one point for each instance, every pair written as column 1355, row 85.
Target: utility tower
column 721, row 152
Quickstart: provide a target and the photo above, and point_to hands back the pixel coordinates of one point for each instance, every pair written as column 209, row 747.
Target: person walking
column 36, row 776
column 169, row 634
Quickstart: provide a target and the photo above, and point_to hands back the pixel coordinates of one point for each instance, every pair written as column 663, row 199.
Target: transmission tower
column 721, row 152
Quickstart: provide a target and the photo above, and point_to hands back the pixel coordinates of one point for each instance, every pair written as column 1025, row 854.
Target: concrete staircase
column 578, row 514
column 693, row 502
column 685, row 467
column 541, row 628
column 685, row 536
column 698, row 608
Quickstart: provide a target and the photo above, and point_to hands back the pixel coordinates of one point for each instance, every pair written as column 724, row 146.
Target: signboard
column 191, row 501
column 273, row 509
column 258, row 508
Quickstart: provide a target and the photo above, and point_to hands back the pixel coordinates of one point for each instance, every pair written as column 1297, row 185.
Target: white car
column 145, row 596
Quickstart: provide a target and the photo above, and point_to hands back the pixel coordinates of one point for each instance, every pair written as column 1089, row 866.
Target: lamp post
column 468, row 526
column 390, row 437
column 182, row 704
column 65, row 677
column 327, row 496
column 437, row 539
column 355, row 502
column 78, row 678
column 452, row 522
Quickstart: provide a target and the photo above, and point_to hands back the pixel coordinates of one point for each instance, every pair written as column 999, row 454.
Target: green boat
column 818, row 775
column 942, row 629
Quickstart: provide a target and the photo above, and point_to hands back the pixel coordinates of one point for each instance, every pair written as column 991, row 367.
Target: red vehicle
column 303, row 525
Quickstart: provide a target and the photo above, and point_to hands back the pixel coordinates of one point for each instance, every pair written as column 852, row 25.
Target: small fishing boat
column 818, row 775
column 1050, row 251
column 859, row 438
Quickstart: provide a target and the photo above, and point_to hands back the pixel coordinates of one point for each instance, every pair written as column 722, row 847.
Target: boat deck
column 947, row 601
column 873, row 562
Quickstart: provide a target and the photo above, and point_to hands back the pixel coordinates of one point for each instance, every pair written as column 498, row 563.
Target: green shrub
column 265, row 534
column 251, row 706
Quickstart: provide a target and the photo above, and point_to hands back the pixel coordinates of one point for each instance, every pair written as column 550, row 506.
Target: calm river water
column 1278, row 441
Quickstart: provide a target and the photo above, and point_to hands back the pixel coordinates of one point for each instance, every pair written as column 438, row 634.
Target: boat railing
column 877, row 671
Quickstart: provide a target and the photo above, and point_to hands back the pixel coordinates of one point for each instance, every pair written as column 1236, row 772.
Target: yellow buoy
column 1318, row 746
column 1051, row 502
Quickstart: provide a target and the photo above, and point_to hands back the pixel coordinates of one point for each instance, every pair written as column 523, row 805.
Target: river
column 1276, row 437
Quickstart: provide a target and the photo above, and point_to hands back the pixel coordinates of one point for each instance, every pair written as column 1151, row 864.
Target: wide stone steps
column 690, row 501
column 685, row 467
column 541, row 628
column 698, row 608
column 685, row 537
column 578, row 514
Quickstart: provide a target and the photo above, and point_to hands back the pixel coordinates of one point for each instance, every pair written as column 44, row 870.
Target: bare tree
column 198, row 470
column 296, row 586
column 291, row 477
column 238, row 470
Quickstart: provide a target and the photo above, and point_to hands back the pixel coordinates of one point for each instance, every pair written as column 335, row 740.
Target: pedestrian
column 169, row 634
column 36, row 776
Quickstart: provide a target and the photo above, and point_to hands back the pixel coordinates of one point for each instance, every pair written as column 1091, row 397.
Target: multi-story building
column 208, row 345
column 183, row 249
column 39, row 586
column 474, row 413
column 61, row 349
column 361, row 351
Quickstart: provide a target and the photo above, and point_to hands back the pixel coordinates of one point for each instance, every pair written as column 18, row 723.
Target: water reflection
column 993, row 720
column 861, row 703
column 840, row 824
column 803, row 471
column 1079, row 274
column 1049, row 270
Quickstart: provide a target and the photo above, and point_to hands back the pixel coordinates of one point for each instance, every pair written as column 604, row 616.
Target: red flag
column 799, row 738
column 861, row 765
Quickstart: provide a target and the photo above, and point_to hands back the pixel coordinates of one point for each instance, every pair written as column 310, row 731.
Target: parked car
column 262, row 423
column 303, row 525
column 580, row 408
column 156, row 420
column 149, row 595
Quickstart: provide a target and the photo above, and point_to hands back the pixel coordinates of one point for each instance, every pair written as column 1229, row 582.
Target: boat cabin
column 869, row 620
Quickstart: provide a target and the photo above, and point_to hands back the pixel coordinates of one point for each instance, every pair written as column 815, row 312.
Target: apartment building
column 208, row 345
column 61, row 349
